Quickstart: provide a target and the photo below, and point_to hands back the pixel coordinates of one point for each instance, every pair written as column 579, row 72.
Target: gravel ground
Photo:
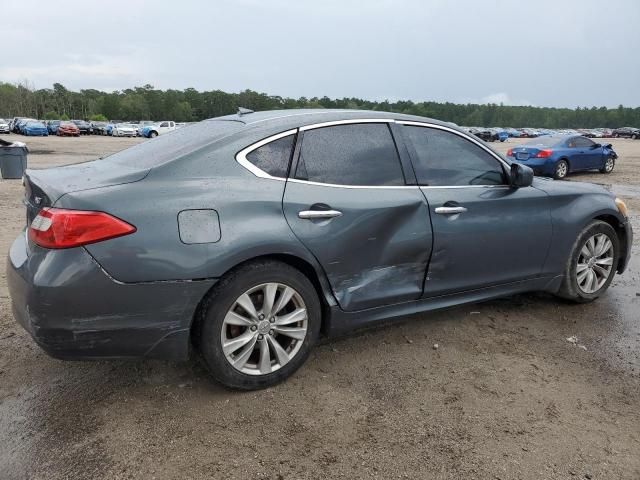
column 504, row 396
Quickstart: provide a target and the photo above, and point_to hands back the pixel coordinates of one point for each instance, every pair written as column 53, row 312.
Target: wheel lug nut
column 272, row 319
column 253, row 328
column 271, row 332
column 261, row 317
column 260, row 337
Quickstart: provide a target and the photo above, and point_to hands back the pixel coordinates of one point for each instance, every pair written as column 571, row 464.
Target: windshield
column 174, row 144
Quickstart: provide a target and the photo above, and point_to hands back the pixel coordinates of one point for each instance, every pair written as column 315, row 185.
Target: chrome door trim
column 241, row 156
column 423, row 187
column 333, row 185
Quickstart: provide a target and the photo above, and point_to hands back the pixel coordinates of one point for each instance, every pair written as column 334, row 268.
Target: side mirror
column 521, row 175
column 595, row 145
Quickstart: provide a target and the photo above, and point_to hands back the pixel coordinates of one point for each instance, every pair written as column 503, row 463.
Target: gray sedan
column 247, row 236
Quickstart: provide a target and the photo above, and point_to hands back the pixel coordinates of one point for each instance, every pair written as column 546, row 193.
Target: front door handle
column 450, row 210
column 314, row 214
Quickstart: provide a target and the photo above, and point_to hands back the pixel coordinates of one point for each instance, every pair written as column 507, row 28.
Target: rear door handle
column 313, row 214
column 450, row 210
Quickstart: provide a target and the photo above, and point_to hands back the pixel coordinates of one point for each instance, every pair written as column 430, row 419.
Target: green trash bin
column 13, row 160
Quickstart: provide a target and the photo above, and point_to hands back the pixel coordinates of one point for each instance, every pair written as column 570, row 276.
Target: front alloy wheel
column 264, row 329
column 595, row 263
column 592, row 263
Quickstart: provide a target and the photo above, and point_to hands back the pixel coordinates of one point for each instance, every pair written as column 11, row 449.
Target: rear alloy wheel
column 259, row 325
column 153, row 135
column 608, row 166
column 562, row 169
column 592, row 264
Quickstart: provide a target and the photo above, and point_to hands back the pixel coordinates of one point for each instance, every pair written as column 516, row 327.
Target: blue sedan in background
column 35, row 129
column 559, row 155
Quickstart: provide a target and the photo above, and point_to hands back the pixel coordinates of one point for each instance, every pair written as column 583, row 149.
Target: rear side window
column 174, row 144
column 447, row 159
column 358, row 154
column 273, row 157
column 582, row 142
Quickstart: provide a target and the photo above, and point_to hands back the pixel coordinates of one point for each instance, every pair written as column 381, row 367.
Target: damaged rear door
column 348, row 203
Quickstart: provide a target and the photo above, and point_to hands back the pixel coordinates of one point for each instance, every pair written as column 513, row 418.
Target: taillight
column 544, row 153
column 58, row 228
column 510, row 152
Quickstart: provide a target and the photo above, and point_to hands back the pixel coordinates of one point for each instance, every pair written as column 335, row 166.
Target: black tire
column 634, row 136
column 608, row 166
column 153, row 134
column 569, row 288
column 560, row 173
column 222, row 298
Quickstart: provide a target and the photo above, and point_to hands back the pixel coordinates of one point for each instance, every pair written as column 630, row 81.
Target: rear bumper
column 540, row 166
column 74, row 310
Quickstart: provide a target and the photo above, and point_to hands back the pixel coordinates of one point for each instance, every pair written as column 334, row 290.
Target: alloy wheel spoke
column 247, row 304
column 591, row 246
column 593, row 281
column 246, row 352
column 265, row 357
column 582, row 276
column 281, row 354
column 285, row 297
column 606, row 246
column 233, row 318
column 269, row 290
column 601, row 271
column 581, row 267
column 235, row 343
column 604, row 261
column 585, row 251
column 298, row 315
column 299, row 333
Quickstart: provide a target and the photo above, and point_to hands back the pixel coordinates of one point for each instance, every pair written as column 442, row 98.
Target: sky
column 564, row 53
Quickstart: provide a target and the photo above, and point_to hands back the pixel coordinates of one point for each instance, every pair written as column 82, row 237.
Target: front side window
column 443, row 158
column 361, row 154
column 273, row 157
column 582, row 142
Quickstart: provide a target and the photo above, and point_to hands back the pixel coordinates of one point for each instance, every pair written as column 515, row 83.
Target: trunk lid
column 44, row 187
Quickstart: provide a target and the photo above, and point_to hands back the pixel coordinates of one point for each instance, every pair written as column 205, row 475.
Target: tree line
column 149, row 103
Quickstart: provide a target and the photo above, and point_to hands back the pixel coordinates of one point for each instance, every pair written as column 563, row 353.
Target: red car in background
column 68, row 129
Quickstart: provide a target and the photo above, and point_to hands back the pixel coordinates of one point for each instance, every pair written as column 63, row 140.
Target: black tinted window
column 582, row 142
column 273, row 157
column 359, row 154
column 447, row 159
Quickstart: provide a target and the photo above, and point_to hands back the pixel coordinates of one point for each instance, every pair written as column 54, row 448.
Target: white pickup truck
column 152, row 131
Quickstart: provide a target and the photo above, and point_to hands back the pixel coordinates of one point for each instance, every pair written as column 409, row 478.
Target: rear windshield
column 169, row 146
column 545, row 141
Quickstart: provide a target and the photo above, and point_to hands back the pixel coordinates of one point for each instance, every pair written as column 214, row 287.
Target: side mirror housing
column 521, row 175
column 595, row 145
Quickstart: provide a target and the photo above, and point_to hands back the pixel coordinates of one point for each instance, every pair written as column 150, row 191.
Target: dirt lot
column 505, row 396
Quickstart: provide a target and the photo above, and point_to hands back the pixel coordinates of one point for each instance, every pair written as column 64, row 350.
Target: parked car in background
column 499, row 134
column 238, row 236
column 4, row 126
column 142, row 124
column 67, row 129
column 13, row 125
column 626, row 132
column 124, row 130
column 483, row 133
column 152, row 131
column 22, row 123
column 98, row 128
column 83, row 126
column 35, row 128
column 52, row 126
column 558, row 155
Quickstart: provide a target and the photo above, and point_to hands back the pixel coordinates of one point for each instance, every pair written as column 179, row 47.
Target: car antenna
column 243, row 111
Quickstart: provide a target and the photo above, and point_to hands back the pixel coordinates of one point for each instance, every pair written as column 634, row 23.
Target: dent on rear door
column 377, row 252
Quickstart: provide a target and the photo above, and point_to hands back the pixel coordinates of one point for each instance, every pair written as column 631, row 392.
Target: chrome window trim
column 334, row 185
column 346, row 122
column 460, row 134
column 425, row 187
column 241, row 156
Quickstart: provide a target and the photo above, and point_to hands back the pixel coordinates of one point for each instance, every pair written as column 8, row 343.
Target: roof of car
column 299, row 117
